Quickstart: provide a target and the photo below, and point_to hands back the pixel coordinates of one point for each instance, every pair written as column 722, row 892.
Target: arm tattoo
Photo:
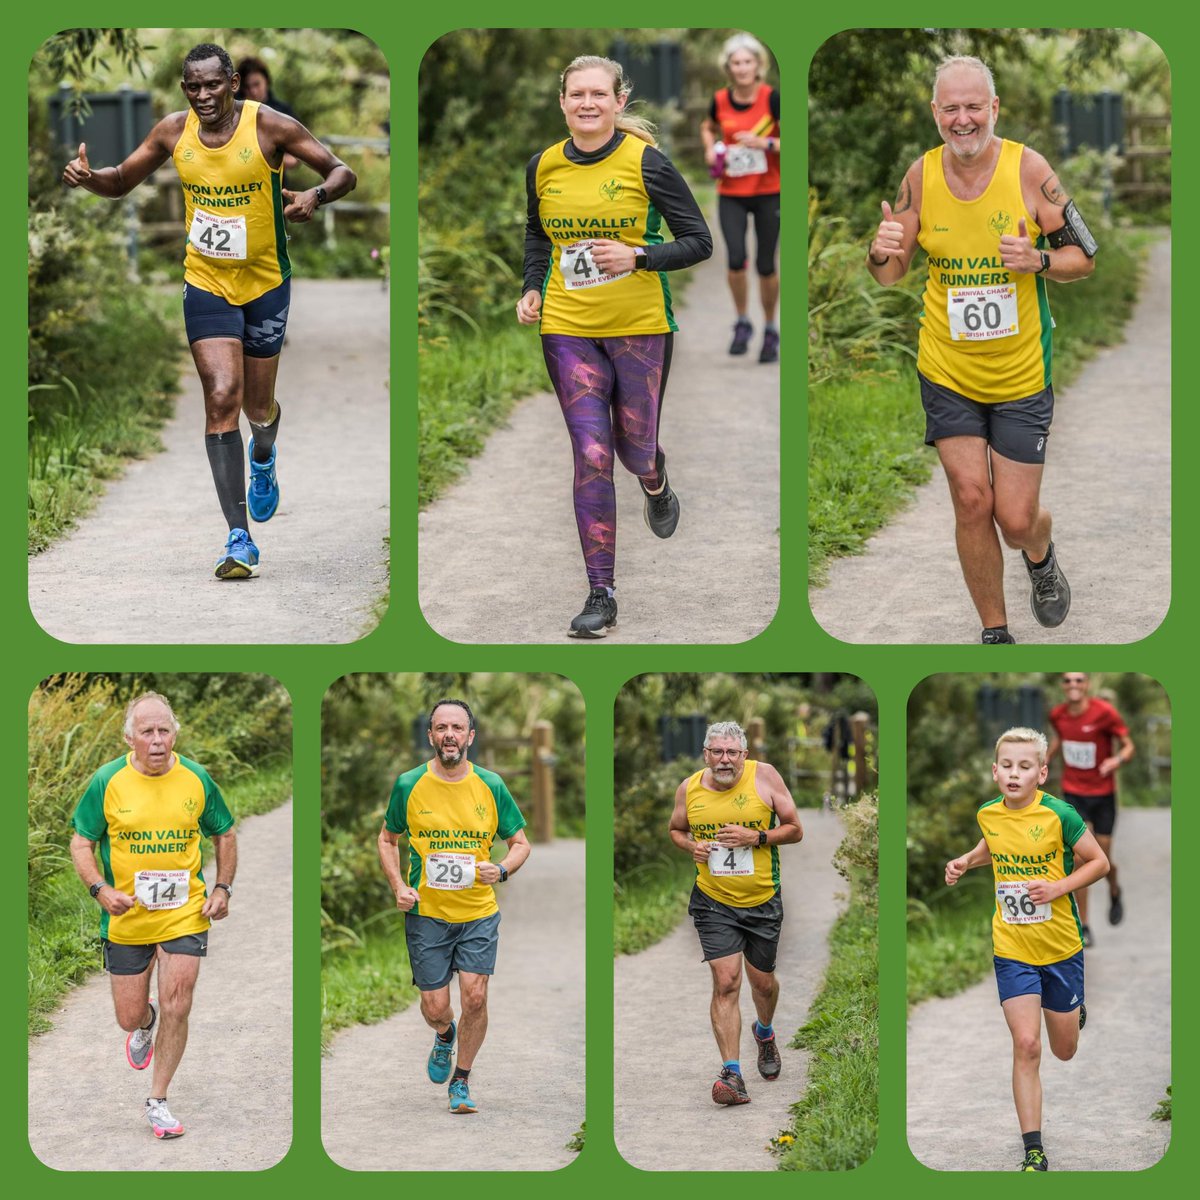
column 904, row 198
column 1052, row 191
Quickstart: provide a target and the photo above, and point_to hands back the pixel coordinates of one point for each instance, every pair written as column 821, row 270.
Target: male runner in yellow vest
column 146, row 812
column 732, row 817
column 451, row 812
column 995, row 225
column 237, row 276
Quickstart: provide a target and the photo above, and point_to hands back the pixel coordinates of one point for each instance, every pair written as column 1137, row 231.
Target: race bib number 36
column 982, row 314
column 1016, row 908
column 579, row 269
column 744, row 160
column 1080, row 755
column 731, row 860
column 218, row 237
column 450, row 872
column 161, row 889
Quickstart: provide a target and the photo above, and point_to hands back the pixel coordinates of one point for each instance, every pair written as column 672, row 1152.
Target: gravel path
column 379, row 1112
column 1095, row 1107
column 662, row 1001
column 1107, row 485
column 509, row 529
column 233, row 1089
column 140, row 568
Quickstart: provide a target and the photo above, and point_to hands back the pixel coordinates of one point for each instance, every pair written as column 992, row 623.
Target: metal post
column 542, row 774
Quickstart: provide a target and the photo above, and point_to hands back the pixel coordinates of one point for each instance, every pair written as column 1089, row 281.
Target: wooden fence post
column 858, row 727
column 756, row 737
column 542, row 774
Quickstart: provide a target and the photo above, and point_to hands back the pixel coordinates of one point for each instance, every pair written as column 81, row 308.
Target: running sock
column 1033, row 1140
column 463, row 1073
column 227, row 458
column 763, row 1032
column 153, row 1018
column 1037, row 566
column 264, row 435
column 771, row 327
column 612, row 593
column 448, row 1036
column 733, row 1065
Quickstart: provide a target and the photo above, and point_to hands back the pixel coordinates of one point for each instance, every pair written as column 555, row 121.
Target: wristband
column 872, row 259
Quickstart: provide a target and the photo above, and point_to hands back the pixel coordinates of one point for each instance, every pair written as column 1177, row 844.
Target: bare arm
column 290, row 137
column 1045, row 198
column 1091, row 865
column 978, row 857
column 895, row 242
column 389, row 859
column 114, row 182
column 83, row 856
column 518, row 852
column 681, row 831
column 775, row 792
column 1124, row 753
column 216, row 906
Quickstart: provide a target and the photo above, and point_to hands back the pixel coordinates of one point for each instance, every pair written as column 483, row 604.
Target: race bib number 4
column 218, row 237
column 743, row 160
column 982, row 314
column 1016, row 908
column 579, row 269
column 731, row 860
column 450, row 872
column 161, row 889
column 1080, row 755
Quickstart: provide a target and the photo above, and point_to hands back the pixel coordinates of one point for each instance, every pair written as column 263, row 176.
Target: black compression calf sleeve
column 264, row 436
column 226, row 456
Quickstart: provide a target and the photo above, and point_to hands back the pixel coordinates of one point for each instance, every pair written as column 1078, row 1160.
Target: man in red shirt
column 1095, row 743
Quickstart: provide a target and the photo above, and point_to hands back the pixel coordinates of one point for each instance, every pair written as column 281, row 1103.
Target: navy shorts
column 1100, row 812
column 259, row 325
column 1015, row 429
column 724, row 930
column 1059, row 984
column 120, row 959
column 437, row 948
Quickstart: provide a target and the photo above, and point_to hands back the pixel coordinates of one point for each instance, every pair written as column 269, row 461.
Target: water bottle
column 717, row 169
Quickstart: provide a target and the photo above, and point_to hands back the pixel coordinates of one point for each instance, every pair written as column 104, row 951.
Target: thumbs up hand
column 1017, row 251
column 889, row 237
column 77, row 171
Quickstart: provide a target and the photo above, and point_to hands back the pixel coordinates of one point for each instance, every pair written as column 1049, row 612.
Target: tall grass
column 949, row 945
column 649, row 901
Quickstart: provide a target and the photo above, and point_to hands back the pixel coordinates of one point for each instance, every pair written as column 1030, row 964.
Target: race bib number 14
column 161, row 889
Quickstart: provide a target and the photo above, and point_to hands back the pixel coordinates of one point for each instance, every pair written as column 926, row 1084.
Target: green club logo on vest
column 1036, row 832
column 245, row 154
column 188, row 154
column 612, row 189
column 480, row 811
column 189, row 806
column 741, row 800
column 1000, row 222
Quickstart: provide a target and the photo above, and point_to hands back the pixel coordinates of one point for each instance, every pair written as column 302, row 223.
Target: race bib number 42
column 450, row 872
column 731, row 860
column 161, row 889
column 744, row 160
column 982, row 313
column 1016, row 908
column 579, row 269
column 218, row 237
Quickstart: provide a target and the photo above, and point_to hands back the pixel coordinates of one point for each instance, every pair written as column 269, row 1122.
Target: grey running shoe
column 661, row 511
column 742, row 333
column 598, row 616
column 161, row 1120
column 769, row 1062
column 770, row 346
column 139, row 1045
column 997, row 637
column 730, row 1088
column 1050, row 598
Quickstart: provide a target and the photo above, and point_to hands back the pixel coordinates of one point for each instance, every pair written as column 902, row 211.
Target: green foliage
column 578, row 1139
column 950, row 940
column 368, row 981
column 1163, row 1111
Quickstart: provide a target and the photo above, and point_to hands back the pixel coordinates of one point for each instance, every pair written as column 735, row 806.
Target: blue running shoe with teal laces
column 460, row 1097
column 262, row 496
column 240, row 558
column 439, row 1057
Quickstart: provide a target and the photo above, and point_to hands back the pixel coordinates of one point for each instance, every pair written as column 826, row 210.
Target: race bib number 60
column 1016, row 908
column 161, row 889
column 731, row 860
column 450, row 872
column 983, row 313
column 579, row 269
column 218, row 237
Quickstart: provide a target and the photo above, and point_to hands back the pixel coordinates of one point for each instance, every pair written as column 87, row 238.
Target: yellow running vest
column 233, row 212
column 580, row 203
column 745, row 875
column 985, row 331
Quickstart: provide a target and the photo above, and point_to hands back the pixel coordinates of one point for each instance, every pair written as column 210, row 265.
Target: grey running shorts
column 120, row 959
column 1015, row 429
column 724, row 930
column 437, row 948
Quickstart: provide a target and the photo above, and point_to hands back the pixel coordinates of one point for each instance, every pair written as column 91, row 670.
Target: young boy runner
column 1041, row 852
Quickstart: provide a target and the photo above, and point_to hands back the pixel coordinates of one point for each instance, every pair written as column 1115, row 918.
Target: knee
column 974, row 503
column 1016, row 527
column 1065, row 1052
column 763, row 988
column 223, row 399
column 435, row 1007
column 727, row 987
column 637, row 460
column 1027, row 1048
column 176, row 1004
column 474, row 999
column 129, row 1020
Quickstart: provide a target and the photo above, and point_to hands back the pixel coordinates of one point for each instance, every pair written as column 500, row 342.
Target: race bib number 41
column 983, row 313
column 731, row 860
column 579, row 269
column 218, row 237
column 450, row 872
column 1016, row 908
column 744, row 160
column 161, row 889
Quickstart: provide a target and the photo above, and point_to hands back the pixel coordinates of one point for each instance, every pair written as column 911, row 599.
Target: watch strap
column 225, row 887
column 322, row 197
column 94, row 890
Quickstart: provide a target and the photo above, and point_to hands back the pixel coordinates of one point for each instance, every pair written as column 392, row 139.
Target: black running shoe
column 770, row 346
column 1082, row 1015
column 997, row 637
column 1035, row 1160
column 1050, row 597
column 1086, row 937
column 661, row 511
column 730, row 1088
column 1116, row 910
column 599, row 614
column 769, row 1062
column 742, row 333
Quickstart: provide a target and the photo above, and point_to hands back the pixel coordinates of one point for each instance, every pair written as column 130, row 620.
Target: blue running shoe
column 262, row 496
column 440, row 1055
column 460, row 1097
column 240, row 559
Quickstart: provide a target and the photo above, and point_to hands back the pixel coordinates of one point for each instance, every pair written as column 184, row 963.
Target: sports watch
column 1045, row 263
column 94, row 890
column 225, row 887
column 503, row 874
column 322, row 198
column 762, row 837
column 640, row 262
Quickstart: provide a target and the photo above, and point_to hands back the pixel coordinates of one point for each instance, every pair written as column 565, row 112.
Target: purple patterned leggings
column 611, row 391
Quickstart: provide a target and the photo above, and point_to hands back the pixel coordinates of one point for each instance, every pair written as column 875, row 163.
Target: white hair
column 964, row 60
column 129, row 709
column 725, row 729
column 744, row 41
column 1021, row 733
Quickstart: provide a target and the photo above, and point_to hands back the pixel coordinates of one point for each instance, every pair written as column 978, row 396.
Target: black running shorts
column 725, row 930
column 120, row 959
column 1100, row 812
column 260, row 325
column 1015, row 429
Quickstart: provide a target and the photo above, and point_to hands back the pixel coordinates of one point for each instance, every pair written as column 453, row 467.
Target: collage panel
column 746, row 878
column 160, row 854
column 452, row 851
column 208, row 294
column 1039, row 883
column 989, row 284
column 585, row 205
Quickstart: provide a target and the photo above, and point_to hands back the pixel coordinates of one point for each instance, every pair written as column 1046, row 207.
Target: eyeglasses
column 723, row 753
column 1067, row 679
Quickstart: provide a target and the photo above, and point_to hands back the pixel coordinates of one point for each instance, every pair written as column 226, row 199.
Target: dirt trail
column 140, row 568
column 233, row 1089
column 499, row 553
column 662, row 1000
column 1095, row 1107
column 1107, row 485
column 379, row 1112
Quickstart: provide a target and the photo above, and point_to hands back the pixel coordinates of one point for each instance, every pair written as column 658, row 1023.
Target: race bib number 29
column 161, row 889
column 579, row 269
column 218, row 237
column 1016, row 908
column 982, row 314
column 450, row 872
